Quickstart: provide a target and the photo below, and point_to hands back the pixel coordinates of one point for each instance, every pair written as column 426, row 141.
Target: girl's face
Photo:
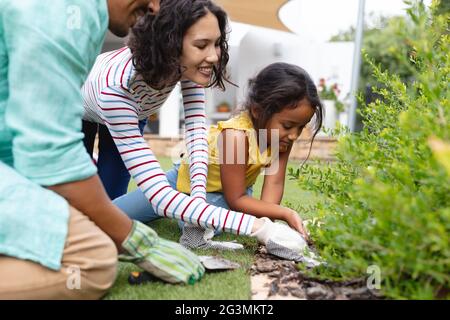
column 289, row 124
column 201, row 50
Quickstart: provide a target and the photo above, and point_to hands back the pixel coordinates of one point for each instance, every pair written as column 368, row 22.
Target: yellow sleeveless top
column 256, row 159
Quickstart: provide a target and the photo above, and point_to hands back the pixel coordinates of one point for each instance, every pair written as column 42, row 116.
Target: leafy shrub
column 387, row 196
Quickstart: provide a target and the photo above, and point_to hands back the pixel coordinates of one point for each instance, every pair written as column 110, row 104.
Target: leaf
column 441, row 152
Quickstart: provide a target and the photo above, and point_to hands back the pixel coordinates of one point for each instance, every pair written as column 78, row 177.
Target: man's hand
column 164, row 259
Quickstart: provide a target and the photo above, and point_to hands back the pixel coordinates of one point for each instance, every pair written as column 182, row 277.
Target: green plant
column 387, row 196
column 383, row 41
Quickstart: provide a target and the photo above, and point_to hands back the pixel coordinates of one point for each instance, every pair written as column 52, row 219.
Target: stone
column 356, row 293
column 316, row 292
column 266, row 266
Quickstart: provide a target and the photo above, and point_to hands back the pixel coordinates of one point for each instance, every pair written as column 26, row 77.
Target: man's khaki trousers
column 88, row 267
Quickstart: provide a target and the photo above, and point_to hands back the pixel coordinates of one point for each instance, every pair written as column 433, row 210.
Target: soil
column 277, row 279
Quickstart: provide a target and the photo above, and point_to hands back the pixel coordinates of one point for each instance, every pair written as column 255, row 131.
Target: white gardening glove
column 284, row 242
column 195, row 237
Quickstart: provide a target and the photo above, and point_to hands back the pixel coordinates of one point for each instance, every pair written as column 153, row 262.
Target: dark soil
column 286, row 280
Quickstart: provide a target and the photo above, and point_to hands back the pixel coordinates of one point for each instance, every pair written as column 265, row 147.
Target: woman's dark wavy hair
column 279, row 86
column 156, row 41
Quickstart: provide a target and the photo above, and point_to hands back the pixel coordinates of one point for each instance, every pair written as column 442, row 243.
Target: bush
column 387, row 196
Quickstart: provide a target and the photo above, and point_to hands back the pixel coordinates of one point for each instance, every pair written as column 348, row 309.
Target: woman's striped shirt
column 117, row 97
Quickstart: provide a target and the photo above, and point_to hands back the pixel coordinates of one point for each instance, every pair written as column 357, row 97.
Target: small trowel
column 211, row 264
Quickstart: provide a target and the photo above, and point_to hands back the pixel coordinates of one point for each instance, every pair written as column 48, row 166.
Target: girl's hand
column 295, row 222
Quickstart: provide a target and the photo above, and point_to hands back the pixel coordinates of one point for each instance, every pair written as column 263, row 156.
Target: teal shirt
column 47, row 48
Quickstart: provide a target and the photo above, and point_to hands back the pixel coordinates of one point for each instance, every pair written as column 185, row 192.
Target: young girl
column 282, row 100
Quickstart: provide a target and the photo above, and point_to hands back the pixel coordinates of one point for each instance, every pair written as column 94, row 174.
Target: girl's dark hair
column 156, row 41
column 280, row 86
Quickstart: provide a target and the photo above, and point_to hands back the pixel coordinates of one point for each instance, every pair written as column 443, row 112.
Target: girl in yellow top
column 281, row 101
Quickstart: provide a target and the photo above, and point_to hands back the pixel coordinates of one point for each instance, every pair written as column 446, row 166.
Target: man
column 59, row 232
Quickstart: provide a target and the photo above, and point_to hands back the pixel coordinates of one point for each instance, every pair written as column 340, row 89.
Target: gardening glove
column 195, row 237
column 164, row 259
column 284, row 242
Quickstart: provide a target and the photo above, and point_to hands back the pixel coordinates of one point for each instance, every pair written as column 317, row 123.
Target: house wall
column 322, row 148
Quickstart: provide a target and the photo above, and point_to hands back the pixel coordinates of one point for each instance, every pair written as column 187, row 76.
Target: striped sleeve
column 196, row 136
column 120, row 115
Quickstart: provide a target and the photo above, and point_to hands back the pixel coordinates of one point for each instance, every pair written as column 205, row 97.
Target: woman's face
column 201, row 50
column 289, row 124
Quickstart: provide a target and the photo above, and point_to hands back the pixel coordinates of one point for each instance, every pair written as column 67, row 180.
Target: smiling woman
column 201, row 50
column 184, row 42
column 163, row 47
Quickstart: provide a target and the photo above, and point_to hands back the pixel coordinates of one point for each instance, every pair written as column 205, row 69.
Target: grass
column 233, row 285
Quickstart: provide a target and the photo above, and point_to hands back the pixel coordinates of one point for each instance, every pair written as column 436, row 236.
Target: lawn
column 224, row 285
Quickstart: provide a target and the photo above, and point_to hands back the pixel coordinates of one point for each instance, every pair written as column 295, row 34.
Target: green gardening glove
column 164, row 259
